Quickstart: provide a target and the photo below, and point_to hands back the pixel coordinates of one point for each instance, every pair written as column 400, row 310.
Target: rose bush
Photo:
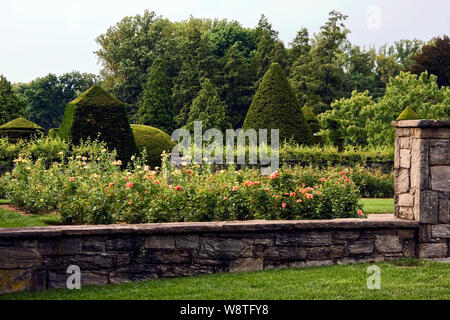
column 90, row 187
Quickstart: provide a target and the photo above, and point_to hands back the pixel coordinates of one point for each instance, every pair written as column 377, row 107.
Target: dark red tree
column 435, row 58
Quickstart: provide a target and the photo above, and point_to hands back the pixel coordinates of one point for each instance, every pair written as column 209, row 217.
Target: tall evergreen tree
column 275, row 106
column 198, row 62
column 238, row 89
column 11, row 105
column 208, row 108
column 155, row 105
column 318, row 78
column 269, row 48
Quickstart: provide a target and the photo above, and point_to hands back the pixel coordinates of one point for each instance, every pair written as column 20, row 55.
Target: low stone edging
column 37, row 258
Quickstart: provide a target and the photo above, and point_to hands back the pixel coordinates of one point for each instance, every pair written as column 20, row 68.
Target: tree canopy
column 11, row 105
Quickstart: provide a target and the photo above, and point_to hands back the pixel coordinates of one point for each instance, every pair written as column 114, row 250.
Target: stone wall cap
column 374, row 221
column 420, row 123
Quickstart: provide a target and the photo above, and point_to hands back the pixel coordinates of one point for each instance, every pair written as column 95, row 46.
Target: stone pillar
column 422, row 182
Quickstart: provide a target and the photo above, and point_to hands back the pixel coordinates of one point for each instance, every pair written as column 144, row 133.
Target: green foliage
column 20, row 124
column 96, row 113
column 53, row 133
column 47, row 97
column 317, row 75
column 128, row 49
column 373, row 183
column 153, row 140
column 364, row 121
column 308, row 114
column 8, row 152
column 352, row 118
column 238, row 84
column 405, row 50
column 361, row 75
column 208, row 108
column 275, row 106
column 11, row 105
column 155, row 106
column 408, row 114
column 435, row 59
column 421, row 93
column 198, row 62
column 269, row 49
column 326, row 156
column 313, row 122
column 20, row 128
column 45, row 148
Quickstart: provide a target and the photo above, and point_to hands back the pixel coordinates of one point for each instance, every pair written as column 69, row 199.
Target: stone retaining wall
column 37, row 258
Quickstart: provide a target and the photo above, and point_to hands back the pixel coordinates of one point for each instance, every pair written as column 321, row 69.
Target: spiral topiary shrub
column 154, row 141
column 275, row 106
column 95, row 113
column 313, row 122
column 20, row 128
column 53, row 133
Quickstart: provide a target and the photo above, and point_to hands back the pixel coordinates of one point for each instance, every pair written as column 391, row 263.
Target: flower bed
column 90, row 187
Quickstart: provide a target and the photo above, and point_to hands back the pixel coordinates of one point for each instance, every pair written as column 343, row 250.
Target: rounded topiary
column 95, row 113
column 408, row 114
column 275, row 106
column 154, row 141
column 20, row 128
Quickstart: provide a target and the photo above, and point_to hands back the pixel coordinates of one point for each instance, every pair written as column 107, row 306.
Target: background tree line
column 171, row 73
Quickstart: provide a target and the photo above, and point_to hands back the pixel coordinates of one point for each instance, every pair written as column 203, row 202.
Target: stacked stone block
column 422, row 182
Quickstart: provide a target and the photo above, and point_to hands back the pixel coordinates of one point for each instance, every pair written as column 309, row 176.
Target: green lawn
column 10, row 219
column 402, row 279
column 378, row 205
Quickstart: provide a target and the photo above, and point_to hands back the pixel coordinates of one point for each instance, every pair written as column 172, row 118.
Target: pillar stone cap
column 420, row 123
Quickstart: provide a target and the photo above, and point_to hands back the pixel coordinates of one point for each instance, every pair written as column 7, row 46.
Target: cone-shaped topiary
column 275, row 106
column 154, row 141
column 408, row 114
column 95, row 112
column 20, row 128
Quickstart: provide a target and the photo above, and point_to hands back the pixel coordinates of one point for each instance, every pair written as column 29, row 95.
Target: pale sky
column 55, row 36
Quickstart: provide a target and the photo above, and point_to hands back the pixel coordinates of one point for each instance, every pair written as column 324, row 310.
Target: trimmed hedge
column 154, row 141
column 20, row 128
column 275, row 106
column 327, row 156
column 95, row 113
